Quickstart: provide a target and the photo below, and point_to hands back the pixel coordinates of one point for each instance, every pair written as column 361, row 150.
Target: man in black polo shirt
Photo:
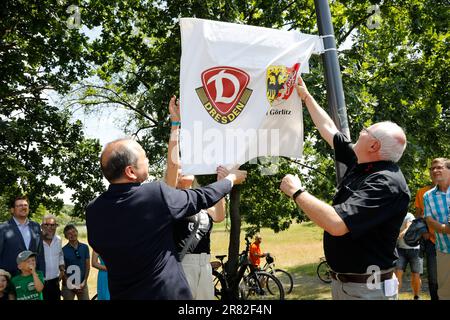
column 362, row 225
column 131, row 225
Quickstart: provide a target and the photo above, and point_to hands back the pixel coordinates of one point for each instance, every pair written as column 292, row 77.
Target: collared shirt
column 437, row 204
column 24, row 231
column 372, row 200
column 76, row 258
column 54, row 258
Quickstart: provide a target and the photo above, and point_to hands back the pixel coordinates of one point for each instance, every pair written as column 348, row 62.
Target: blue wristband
column 175, row 123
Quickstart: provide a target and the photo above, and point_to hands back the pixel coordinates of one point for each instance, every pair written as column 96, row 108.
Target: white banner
column 237, row 93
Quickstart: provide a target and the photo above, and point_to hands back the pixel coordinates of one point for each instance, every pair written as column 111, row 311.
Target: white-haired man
column 54, row 258
column 362, row 225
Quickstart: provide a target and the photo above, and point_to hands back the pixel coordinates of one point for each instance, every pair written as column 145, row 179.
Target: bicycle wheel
column 323, row 272
column 261, row 285
column 286, row 280
column 220, row 286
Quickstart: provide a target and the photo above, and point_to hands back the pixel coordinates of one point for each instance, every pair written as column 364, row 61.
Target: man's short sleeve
column 343, row 150
column 426, row 206
column 408, row 218
column 371, row 205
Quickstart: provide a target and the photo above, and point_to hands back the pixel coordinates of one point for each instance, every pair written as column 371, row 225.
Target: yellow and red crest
column 280, row 82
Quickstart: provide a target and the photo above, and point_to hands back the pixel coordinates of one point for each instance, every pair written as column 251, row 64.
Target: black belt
column 359, row 278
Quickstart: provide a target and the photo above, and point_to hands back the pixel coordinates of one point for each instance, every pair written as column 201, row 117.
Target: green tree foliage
column 398, row 72
column 393, row 69
column 39, row 54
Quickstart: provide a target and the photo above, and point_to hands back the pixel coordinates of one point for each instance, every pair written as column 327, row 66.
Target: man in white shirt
column 54, row 258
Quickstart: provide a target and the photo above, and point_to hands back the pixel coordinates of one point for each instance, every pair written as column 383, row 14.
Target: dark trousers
column 430, row 257
column 51, row 291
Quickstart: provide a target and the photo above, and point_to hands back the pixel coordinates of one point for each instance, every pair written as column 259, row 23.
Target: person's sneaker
column 416, row 298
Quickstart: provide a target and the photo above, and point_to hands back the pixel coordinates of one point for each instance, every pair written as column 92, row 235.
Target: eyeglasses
column 21, row 205
column 50, row 225
column 369, row 133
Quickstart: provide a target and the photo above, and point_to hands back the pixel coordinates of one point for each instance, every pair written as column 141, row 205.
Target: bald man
column 131, row 224
column 362, row 225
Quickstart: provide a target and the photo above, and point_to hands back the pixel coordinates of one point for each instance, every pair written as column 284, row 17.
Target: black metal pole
column 333, row 80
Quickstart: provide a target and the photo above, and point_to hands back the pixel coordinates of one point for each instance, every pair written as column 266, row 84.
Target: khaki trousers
column 198, row 271
column 443, row 275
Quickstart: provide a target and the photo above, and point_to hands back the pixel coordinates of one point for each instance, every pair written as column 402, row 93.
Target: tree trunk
column 233, row 248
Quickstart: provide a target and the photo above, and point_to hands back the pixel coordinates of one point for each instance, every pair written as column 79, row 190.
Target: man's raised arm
column 321, row 119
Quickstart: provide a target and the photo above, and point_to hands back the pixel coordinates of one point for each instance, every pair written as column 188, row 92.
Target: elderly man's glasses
column 369, row 133
column 50, row 225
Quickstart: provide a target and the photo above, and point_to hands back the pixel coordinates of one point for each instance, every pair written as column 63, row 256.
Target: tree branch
column 306, row 166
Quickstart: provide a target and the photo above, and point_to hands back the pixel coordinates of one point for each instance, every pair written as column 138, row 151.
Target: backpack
column 415, row 231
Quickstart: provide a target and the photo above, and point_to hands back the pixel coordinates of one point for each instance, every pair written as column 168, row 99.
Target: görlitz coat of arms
column 280, row 83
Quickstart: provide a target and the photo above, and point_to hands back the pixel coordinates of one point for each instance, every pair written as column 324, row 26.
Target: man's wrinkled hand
column 235, row 175
column 301, row 89
column 290, row 184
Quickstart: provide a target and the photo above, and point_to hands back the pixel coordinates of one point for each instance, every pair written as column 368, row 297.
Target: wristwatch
column 298, row 192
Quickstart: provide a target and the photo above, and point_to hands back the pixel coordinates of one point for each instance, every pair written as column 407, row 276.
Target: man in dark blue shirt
column 362, row 225
column 77, row 264
column 131, row 225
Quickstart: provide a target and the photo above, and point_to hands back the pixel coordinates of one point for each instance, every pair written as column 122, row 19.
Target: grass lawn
column 297, row 250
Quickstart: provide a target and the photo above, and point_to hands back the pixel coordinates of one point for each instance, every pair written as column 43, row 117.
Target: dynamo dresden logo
column 280, row 83
column 224, row 93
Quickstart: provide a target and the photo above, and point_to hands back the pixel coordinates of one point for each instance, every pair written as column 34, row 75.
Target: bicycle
column 286, row 279
column 324, row 271
column 251, row 283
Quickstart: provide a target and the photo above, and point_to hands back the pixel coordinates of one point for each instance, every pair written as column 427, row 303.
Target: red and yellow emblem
column 224, row 93
column 280, row 82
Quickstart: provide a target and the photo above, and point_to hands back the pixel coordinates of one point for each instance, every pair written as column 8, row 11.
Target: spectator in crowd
column 363, row 223
column 429, row 243
column 102, row 277
column 77, row 263
column 6, row 292
column 54, row 259
column 29, row 283
column 436, row 211
column 255, row 254
column 141, row 217
column 19, row 234
column 409, row 255
column 192, row 234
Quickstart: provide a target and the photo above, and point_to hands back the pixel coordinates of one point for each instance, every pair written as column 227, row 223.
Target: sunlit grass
column 297, row 250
